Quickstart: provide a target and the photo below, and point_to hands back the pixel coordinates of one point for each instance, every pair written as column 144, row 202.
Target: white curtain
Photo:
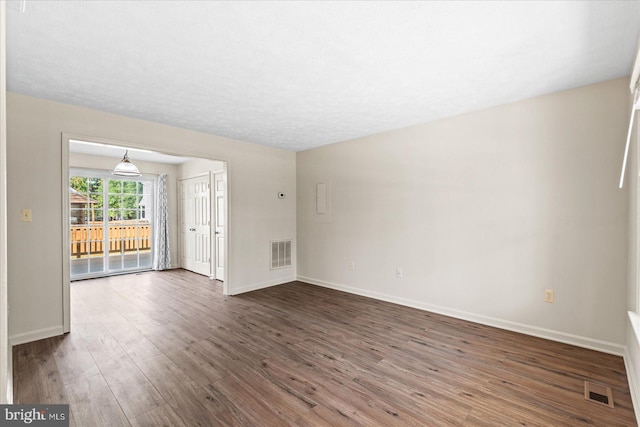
column 161, row 249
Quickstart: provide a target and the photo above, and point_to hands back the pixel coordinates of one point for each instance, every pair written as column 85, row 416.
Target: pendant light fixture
column 126, row 168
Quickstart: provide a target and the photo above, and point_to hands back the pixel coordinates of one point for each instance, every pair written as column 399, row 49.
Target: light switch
column 26, row 215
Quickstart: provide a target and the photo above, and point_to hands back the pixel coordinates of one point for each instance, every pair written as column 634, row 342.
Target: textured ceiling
column 297, row 75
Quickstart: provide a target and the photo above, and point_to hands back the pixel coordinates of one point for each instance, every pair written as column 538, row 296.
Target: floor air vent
column 598, row 394
column 280, row 254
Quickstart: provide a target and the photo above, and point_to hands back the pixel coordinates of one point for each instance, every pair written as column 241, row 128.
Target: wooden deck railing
column 123, row 237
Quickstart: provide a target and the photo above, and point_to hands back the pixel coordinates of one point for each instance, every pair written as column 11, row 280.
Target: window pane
column 131, row 245
column 78, row 216
column 95, row 233
column 145, row 259
column 115, row 262
column 96, row 265
column 129, row 214
column 94, row 185
column 129, row 187
column 115, row 201
column 143, row 188
column 78, row 184
column 79, row 266
column 131, row 260
column 96, row 216
column 115, row 215
column 130, row 201
column 96, row 199
column 115, row 186
column 144, row 234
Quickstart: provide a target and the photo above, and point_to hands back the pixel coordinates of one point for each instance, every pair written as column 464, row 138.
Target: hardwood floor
column 168, row 349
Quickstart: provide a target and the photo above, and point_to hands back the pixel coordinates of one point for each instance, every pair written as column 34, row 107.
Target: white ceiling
column 135, row 154
column 298, row 75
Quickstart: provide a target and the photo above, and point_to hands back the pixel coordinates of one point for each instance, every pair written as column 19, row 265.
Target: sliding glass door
column 111, row 223
column 87, row 225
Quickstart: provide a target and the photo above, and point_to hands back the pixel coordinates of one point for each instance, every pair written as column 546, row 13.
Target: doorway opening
column 112, row 225
column 202, row 222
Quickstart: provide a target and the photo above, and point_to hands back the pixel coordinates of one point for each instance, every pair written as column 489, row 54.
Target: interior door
column 195, row 227
column 220, row 197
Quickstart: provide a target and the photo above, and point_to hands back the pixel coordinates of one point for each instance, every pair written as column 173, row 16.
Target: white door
column 195, row 227
column 219, row 195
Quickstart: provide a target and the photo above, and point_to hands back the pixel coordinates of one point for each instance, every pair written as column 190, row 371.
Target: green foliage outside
column 124, row 197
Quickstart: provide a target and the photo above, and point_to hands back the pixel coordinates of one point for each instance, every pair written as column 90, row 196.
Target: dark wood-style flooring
column 168, row 349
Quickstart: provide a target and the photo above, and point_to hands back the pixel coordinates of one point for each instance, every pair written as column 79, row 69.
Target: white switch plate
column 399, row 273
column 26, row 215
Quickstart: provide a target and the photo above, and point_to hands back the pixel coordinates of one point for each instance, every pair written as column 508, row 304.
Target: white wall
column 255, row 174
column 6, row 392
column 483, row 212
column 108, row 163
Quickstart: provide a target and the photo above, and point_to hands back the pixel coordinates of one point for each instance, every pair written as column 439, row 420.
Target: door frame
column 65, row 137
column 214, row 205
column 209, row 174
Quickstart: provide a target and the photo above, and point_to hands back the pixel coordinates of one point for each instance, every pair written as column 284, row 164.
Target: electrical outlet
column 398, row 273
column 352, row 265
column 548, row 295
column 26, row 215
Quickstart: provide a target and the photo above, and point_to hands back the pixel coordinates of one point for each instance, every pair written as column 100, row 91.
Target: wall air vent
column 280, row 254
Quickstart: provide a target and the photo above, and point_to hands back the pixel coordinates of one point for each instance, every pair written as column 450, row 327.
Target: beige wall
column 483, row 212
column 255, row 173
column 108, row 163
column 196, row 167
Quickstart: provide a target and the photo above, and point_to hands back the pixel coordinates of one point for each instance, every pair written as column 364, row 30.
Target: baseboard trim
column 262, row 285
column 39, row 334
column 590, row 343
column 10, row 379
column 631, row 379
column 633, row 341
